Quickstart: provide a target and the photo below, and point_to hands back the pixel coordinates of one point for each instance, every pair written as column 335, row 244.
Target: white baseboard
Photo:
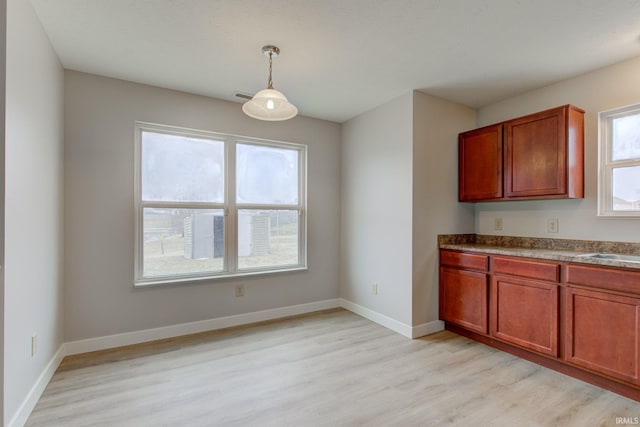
column 374, row 316
column 427, row 329
column 22, row 414
column 137, row 337
column 393, row 324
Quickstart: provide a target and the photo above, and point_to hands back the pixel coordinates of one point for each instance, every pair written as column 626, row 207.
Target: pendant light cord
column 270, row 82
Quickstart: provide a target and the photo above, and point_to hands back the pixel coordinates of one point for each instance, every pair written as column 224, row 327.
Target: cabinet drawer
column 464, row 260
column 525, row 268
column 604, row 278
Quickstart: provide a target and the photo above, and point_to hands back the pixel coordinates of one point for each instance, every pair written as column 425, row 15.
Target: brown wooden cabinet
column 524, row 308
column 539, row 156
column 602, row 317
column 602, row 333
column 579, row 319
column 464, row 293
column 465, row 298
column 480, row 164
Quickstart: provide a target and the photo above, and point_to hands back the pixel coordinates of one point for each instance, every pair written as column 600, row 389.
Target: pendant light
column 270, row 104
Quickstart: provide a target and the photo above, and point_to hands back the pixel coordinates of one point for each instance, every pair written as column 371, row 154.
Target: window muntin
column 619, row 172
column 213, row 205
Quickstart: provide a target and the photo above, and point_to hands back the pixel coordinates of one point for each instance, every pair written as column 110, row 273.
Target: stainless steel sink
column 618, row 257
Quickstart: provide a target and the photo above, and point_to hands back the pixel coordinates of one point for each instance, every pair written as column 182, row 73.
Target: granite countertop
column 562, row 250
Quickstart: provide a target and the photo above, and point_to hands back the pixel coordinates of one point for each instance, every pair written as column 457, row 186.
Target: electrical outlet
column 34, row 344
column 497, row 223
column 374, row 289
column 552, row 225
column 239, row 290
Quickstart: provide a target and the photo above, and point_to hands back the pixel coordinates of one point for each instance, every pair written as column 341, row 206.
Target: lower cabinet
column 584, row 322
column 525, row 312
column 463, row 296
column 602, row 332
column 602, row 318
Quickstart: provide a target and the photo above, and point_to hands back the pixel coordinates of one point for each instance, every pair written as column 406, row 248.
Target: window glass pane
column 626, row 137
column 182, row 241
column 266, row 175
column 177, row 168
column 267, row 238
column 626, row 189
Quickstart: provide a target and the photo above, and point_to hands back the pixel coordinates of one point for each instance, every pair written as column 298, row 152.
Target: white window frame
column 606, row 165
column 229, row 205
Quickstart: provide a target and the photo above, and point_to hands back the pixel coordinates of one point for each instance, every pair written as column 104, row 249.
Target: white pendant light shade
column 270, row 105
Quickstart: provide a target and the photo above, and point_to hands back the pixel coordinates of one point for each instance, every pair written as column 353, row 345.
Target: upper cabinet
column 480, row 164
column 539, row 156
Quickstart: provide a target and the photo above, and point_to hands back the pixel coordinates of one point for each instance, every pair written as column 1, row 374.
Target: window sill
column 619, row 215
column 179, row 280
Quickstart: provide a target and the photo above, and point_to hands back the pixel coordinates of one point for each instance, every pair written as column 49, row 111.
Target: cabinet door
column 602, row 333
column 463, row 298
column 480, row 164
column 536, row 154
column 525, row 312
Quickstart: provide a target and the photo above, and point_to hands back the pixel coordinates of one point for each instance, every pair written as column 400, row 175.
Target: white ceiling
column 342, row 57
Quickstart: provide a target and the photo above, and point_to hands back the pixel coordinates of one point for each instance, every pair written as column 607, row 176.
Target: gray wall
column 376, row 208
column 399, row 191
column 607, row 88
column 33, row 204
column 436, row 124
column 3, row 82
column 100, row 298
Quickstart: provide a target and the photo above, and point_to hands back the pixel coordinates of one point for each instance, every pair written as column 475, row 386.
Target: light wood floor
column 327, row 369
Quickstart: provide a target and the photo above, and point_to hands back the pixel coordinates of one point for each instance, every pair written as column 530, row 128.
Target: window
column 619, row 174
column 214, row 205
